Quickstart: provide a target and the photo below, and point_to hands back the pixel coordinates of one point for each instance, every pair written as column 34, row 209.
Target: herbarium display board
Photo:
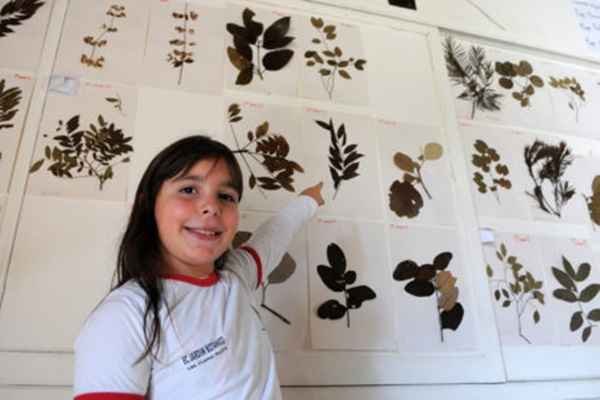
column 388, row 283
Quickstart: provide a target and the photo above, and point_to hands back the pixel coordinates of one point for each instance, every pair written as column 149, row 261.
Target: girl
column 179, row 322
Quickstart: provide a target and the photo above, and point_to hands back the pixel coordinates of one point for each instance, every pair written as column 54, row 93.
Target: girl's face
column 197, row 217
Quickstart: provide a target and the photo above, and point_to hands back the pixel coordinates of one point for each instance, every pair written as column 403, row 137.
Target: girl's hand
column 314, row 192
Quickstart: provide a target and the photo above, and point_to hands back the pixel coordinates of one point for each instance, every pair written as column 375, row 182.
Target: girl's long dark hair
column 139, row 256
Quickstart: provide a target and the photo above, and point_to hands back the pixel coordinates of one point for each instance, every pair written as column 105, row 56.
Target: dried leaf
column 563, row 279
column 448, row 299
column 331, row 309
column 452, row 319
column 283, row 271
column 404, row 162
column 420, row 288
column 405, row 200
column 576, row 321
column 336, row 258
column 276, row 60
column 359, row 294
column 405, row 270
column 589, row 293
column 565, row 295
column 442, row 260
column 36, row 166
column 433, row 151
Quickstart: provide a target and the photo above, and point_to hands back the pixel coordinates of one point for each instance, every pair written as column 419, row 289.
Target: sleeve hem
column 259, row 269
column 109, row 396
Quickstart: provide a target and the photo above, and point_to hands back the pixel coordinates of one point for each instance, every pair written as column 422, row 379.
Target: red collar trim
column 210, row 280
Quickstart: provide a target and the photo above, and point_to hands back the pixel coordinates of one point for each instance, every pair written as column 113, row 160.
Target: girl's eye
column 188, row 190
column 228, row 197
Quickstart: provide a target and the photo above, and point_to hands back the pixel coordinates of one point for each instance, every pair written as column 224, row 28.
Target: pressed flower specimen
column 284, row 270
column 267, row 149
column 571, row 293
column 487, row 159
column 430, row 279
column 574, row 91
column 474, row 73
column 9, row 100
column 520, row 79
column 593, row 202
column 547, row 164
column 329, row 58
column 337, row 278
column 251, row 39
column 93, row 60
column 15, row 12
column 343, row 156
column 85, row 152
column 516, row 287
column 181, row 55
column 405, row 199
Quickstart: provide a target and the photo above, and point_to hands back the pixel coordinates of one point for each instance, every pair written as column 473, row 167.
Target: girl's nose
column 211, row 207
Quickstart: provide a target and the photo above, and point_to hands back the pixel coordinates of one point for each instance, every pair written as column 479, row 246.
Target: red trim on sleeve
column 109, row 396
column 259, row 268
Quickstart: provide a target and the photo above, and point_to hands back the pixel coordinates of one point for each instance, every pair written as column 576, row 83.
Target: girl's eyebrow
column 201, row 179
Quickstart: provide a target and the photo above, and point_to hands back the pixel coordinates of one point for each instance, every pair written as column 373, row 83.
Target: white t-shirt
column 213, row 344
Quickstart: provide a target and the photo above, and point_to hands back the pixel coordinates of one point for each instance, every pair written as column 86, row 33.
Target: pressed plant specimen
column 85, row 152
column 487, row 159
column 181, row 54
column 330, row 59
column 269, row 150
column 337, row 278
column 117, row 103
column 15, row 12
column 593, row 202
column 548, row 163
column 405, row 199
column 516, row 287
column 571, row 293
column 284, row 270
column 251, row 39
column 10, row 97
column 114, row 12
column 474, row 73
column 574, row 91
column 430, row 279
column 520, row 79
column 343, row 156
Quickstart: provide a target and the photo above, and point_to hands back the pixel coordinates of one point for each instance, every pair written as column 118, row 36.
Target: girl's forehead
column 208, row 168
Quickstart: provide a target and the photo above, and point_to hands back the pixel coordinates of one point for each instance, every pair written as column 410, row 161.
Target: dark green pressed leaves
column 569, row 277
column 330, row 60
column 572, row 88
column 593, row 201
column 97, row 42
column 256, row 50
column 404, row 199
column 117, row 102
column 429, row 279
column 547, row 163
column 520, row 79
column 337, row 278
column 474, row 73
column 284, row 270
column 269, row 150
column 180, row 55
column 15, row 12
column 81, row 152
column 516, row 287
column 9, row 100
column 343, row 156
column 494, row 174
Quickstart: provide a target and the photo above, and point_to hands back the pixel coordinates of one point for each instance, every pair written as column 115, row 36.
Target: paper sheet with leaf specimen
column 58, row 240
column 416, row 174
column 334, row 67
column 433, row 305
column 589, row 191
column 15, row 90
column 103, row 40
column 267, row 143
column 574, row 288
column 23, row 26
column 84, row 143
column 350, row 302
column 185, row 47
column 341, row 151
column 262, row 50
column 283, row 298
column 519, row 290
column 187, row 114
column 497, row 174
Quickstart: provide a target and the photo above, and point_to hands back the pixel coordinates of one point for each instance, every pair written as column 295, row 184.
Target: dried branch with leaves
column 249, row 40
column 574, row 91
column 520, row 79
column 570, row 293
column 548, row 163
column 9, row 100
column 593, row 202
column 474, row 74
column 405, row 199
column 181, row 55
column 85, row 153
column 520, row 290
column 269, row 150
column 337, row 278
column 15, row 12
column 117, row 103
column 330, row 59
column 92, row 60
column 429, row 279
column 487, row 159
